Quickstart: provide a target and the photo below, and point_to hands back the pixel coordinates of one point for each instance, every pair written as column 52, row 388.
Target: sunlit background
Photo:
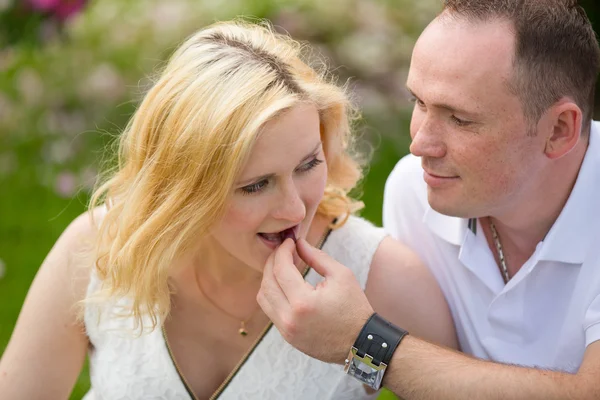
column 72, row 71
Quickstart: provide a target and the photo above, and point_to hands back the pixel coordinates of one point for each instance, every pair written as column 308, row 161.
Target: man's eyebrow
column 271, row 175
column 446, row 106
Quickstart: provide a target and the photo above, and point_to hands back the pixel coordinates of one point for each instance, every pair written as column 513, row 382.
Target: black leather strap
column 379, row 339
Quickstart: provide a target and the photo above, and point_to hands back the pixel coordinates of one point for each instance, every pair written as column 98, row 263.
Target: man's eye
column 460, row 122
column 254, row 188
column 417, row 101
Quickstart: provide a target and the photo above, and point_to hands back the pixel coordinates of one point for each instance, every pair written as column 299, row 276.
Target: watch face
column 364, row 373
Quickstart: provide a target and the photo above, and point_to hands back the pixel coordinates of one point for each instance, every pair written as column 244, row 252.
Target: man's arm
column 401, row 289
column 324, row 321
column 420, row 370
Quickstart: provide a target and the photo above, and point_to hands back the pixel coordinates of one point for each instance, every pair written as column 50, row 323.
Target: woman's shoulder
column 84, row 228
column 79, row 238
column 362, row 246
column 402, row 289
column 359, row 228
column 354, row 244
column 358, row 231
column 73, row 255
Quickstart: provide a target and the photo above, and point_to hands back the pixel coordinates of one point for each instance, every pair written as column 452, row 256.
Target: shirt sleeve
column 402, row 206
column 390, row 197
column 592, row 322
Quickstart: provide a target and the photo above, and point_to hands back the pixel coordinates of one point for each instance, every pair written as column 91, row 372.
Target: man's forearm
column 423, row 371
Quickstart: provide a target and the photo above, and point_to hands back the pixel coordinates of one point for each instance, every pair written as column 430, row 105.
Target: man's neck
column 522, row 226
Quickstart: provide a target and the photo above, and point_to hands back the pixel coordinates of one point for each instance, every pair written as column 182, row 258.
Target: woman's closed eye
column 309, row 165
column 262, row 185
column 255, row 187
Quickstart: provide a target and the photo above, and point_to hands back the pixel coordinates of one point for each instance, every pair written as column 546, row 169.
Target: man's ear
column 565, row 122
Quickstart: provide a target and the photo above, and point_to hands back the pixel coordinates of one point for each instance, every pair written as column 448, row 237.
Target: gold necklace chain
column 242, row 330
column 224, row 384
column 500, row 252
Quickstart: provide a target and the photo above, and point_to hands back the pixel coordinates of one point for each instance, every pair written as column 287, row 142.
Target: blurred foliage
column 592, row 8
column 69, row 83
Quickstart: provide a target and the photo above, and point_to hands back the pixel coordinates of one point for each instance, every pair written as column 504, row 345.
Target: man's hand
column 321, row 321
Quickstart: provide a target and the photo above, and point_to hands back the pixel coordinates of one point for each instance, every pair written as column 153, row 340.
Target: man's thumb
column 315, row 258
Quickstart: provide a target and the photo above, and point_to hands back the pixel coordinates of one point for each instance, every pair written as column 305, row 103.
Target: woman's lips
column 288, row 233
column 273, row 240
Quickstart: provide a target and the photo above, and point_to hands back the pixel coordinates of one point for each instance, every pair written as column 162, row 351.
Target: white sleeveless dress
column 124, row 366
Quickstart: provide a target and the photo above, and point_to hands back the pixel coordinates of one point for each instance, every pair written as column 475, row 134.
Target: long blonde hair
column 188, row 140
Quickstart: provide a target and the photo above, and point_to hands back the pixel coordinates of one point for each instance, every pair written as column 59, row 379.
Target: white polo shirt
column 549, row 311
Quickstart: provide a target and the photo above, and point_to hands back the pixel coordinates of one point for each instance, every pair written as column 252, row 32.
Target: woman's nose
column 291, row 207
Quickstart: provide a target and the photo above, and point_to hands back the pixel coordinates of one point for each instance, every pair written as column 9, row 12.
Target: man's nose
column 427, row 139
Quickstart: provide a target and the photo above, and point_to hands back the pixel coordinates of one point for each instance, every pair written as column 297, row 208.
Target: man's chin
column 449, row 206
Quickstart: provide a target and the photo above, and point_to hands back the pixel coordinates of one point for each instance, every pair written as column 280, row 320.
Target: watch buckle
column 363, row 368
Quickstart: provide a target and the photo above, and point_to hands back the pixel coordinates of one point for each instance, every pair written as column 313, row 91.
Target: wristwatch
column 372, row 351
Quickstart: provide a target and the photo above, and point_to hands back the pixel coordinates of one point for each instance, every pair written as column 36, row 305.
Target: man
column 500, row 199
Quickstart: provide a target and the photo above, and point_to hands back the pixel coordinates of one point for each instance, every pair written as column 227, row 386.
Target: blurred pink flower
column 293, row 22
column 61, row 9
column 43, row 5
column 104, row 83
column 66, row 184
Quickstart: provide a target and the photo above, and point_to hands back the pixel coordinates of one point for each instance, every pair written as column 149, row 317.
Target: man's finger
column 270, row 296
column 287, row 275
column 315, row 258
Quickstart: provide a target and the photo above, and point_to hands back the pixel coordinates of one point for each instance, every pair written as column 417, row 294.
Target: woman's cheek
column 315, row 188
column 244, row 215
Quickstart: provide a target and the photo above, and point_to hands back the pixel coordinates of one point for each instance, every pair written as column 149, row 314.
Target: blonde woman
column 238, row 145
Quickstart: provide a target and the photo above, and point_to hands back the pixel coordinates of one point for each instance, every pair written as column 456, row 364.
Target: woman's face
column 279, row 188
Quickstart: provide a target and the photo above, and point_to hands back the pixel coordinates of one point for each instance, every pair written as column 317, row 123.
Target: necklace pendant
column 242, row 331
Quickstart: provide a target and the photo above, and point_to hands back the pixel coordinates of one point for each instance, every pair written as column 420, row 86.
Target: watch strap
column 379, row 339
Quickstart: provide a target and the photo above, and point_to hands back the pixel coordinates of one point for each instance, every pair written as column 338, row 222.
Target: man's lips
column 434, row 180
column 441, row 176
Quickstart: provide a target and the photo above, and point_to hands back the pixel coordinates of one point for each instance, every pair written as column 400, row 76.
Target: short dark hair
column 556, row 55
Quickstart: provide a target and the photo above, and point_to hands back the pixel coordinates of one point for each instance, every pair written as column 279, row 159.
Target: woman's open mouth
column 274, row 239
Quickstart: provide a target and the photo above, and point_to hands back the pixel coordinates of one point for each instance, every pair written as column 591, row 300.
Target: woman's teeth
column 279, row 237
column 273, row 237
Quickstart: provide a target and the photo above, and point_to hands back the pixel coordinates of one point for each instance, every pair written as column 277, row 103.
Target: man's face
column 467, row 126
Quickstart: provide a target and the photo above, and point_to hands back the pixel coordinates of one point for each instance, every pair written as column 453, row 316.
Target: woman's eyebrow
column 271, row 175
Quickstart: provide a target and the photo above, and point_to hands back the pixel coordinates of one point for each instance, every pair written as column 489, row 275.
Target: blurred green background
column 68, row 84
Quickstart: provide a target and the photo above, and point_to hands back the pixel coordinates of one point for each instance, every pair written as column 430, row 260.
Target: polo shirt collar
column 450, row 229
column 570, row 237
